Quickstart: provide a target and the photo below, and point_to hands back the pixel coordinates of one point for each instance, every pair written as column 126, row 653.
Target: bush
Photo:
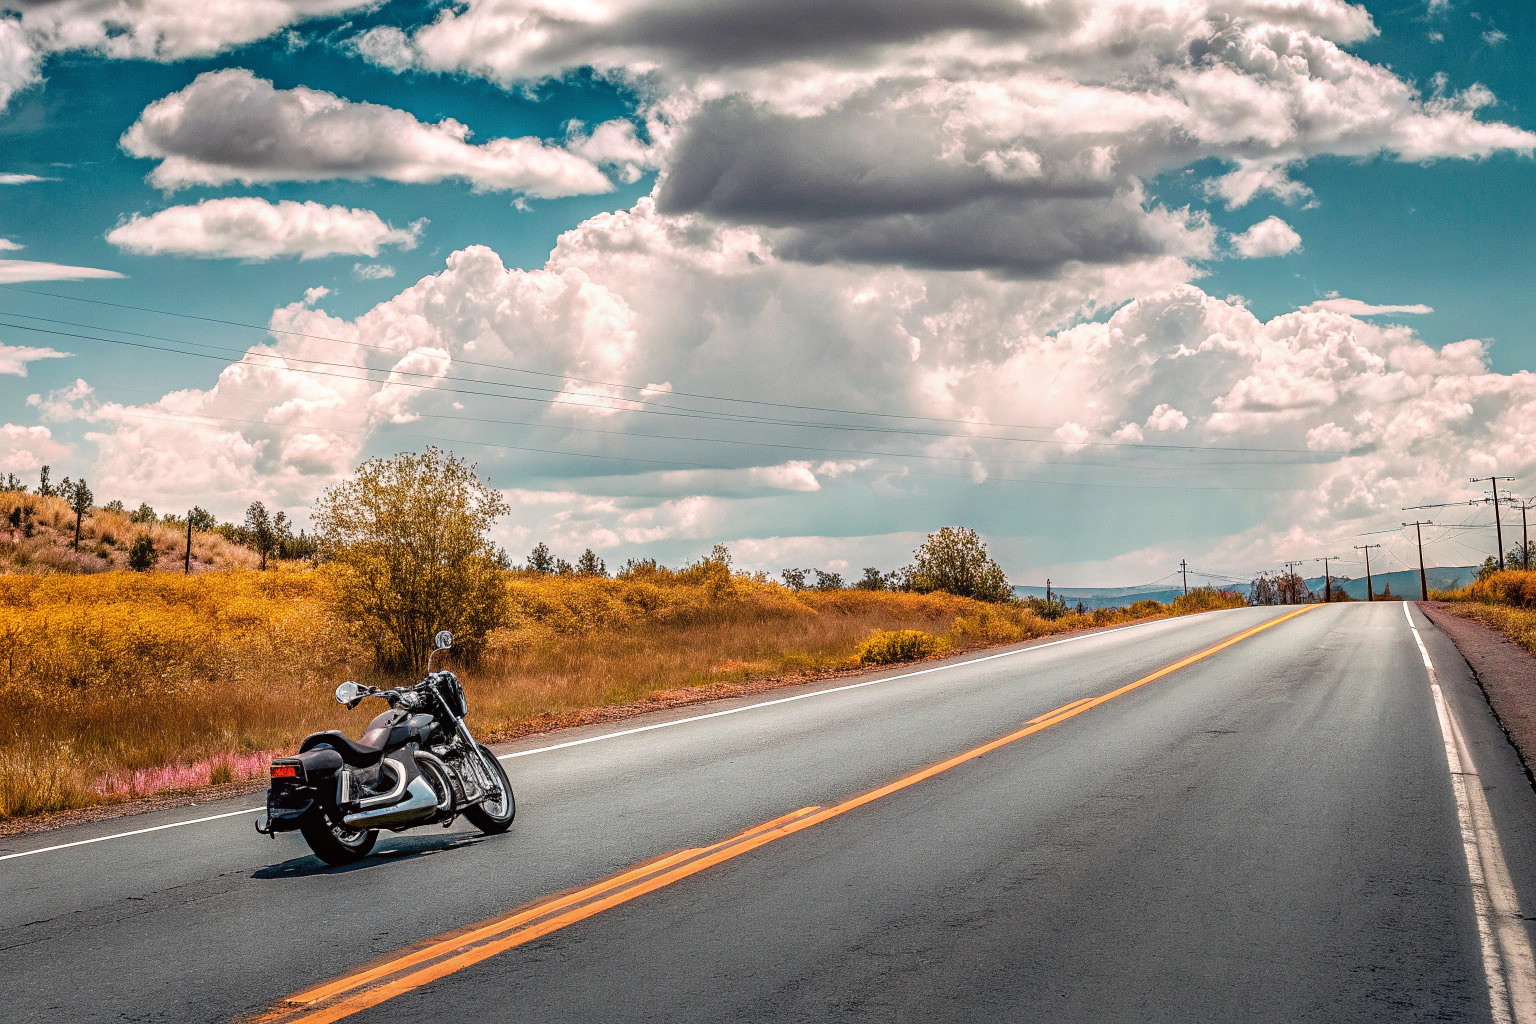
column 141, row 557
column 955, row 561
column 1514, row 587
column 888, row 646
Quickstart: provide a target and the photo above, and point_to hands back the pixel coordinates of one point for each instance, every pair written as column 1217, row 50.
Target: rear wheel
column 336, row 844
column 494, row 814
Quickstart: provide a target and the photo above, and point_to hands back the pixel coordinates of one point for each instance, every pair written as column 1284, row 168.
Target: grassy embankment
column 123, row 684
column 1505, row 601
column 42, row 540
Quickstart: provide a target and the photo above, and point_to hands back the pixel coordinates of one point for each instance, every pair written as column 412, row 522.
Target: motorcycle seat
column 356, row 754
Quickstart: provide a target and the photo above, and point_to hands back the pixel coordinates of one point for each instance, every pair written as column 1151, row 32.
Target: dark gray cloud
column 717, row 35
column 867, row 183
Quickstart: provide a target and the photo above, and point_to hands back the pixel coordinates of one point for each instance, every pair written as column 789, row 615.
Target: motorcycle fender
column 321, row 763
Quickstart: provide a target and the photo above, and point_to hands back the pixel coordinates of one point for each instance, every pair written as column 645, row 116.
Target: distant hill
column 1403, row 583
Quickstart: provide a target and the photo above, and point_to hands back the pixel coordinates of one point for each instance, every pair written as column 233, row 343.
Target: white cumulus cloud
column 1269, row 237
column 230, row 125
column 250, row 228
column 161, row 30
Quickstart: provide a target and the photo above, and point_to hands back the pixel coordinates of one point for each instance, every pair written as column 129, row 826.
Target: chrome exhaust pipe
column 420, row 802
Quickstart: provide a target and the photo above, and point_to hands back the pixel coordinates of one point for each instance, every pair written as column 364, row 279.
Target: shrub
column 888, row 646
column 1515, row 587
column 955, row 561
column 141, row 557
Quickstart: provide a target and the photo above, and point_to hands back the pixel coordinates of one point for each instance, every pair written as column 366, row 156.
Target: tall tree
column 407, row 538
column 591, row 565
column 79, row 497
column 44, row 488
column 540, row 560
column 258, row 527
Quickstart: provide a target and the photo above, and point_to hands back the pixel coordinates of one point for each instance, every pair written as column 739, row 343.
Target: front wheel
column 336, row 844
column 494, row 814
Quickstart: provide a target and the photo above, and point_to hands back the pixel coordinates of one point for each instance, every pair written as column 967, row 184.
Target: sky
column 1116, row 283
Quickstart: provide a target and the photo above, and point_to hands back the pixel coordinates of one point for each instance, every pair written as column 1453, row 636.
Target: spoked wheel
column 494, row 814
column 336, row 844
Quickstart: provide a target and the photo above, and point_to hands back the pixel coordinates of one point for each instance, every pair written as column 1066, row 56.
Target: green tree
column 258, row 528
column 955, row 560
column 407, row 539
column 44, row 488
column 114, row 505
column 828, row 580
column 79, row 497
column 143, row 514
column 201, row 519
column 141, row 557
column 590, row 565
column 540, row 560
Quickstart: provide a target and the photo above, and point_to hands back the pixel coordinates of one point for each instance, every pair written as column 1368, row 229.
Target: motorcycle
column 416, row 764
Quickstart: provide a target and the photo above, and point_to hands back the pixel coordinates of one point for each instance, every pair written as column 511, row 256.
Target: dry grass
column 119, row 684
column 105, row 538
column 1505, row 601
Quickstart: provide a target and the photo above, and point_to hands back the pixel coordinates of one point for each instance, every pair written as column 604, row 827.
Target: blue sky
column 831, row 188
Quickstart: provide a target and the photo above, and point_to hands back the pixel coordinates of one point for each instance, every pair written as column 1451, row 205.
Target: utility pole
column 1327, row 578
column 188, row 564
column 1184, row 568
column 1497, row 525
column 1418, row 529
column 1047, row 590
column 1525, row 540
column 1370, row 589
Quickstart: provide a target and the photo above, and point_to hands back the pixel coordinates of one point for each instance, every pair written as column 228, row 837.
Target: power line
column 678, row 464
column 628, row 406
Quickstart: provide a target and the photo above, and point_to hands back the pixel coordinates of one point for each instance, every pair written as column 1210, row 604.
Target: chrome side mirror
column 349, row 693
column 443, row 640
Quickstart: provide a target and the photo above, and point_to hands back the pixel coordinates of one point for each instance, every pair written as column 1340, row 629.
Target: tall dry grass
column 1506, row 601
column 117, row 684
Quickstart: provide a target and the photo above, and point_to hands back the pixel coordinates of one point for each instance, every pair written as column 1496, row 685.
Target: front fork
column 483, row 778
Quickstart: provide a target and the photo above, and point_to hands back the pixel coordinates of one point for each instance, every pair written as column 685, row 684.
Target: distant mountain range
column 1404, row 583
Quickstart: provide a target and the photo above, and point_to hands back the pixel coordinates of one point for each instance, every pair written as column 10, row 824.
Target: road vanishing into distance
column 1318, row 821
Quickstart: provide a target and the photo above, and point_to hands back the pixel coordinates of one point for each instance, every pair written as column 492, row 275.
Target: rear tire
column 336, row 845
column 493, row 817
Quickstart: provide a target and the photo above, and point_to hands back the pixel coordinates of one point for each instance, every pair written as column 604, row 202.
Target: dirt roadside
column 661, row 700
column 1505, row 671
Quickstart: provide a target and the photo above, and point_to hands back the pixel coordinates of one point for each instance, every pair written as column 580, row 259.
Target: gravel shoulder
column 1505, row 671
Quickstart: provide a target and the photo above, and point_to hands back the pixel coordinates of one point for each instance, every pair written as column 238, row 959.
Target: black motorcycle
column 416, row 764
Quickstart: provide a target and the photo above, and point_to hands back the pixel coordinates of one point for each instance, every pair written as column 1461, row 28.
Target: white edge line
column 624, row 732
column 814, row 693
column 1493, row 898
column 135, row 832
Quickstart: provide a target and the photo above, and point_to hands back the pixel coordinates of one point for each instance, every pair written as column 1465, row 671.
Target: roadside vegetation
column 123, row 683
column 1506, row 601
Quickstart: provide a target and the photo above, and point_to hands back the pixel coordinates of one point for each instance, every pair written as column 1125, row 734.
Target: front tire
column 493, row 816
column 336, row 844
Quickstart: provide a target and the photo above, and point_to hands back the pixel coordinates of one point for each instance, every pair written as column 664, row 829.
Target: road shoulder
column 1504, row 671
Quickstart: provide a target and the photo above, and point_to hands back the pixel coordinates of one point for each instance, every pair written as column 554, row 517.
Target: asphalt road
column 1268, row 834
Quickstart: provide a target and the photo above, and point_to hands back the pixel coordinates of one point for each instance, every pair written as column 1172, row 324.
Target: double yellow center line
column 447, row 954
